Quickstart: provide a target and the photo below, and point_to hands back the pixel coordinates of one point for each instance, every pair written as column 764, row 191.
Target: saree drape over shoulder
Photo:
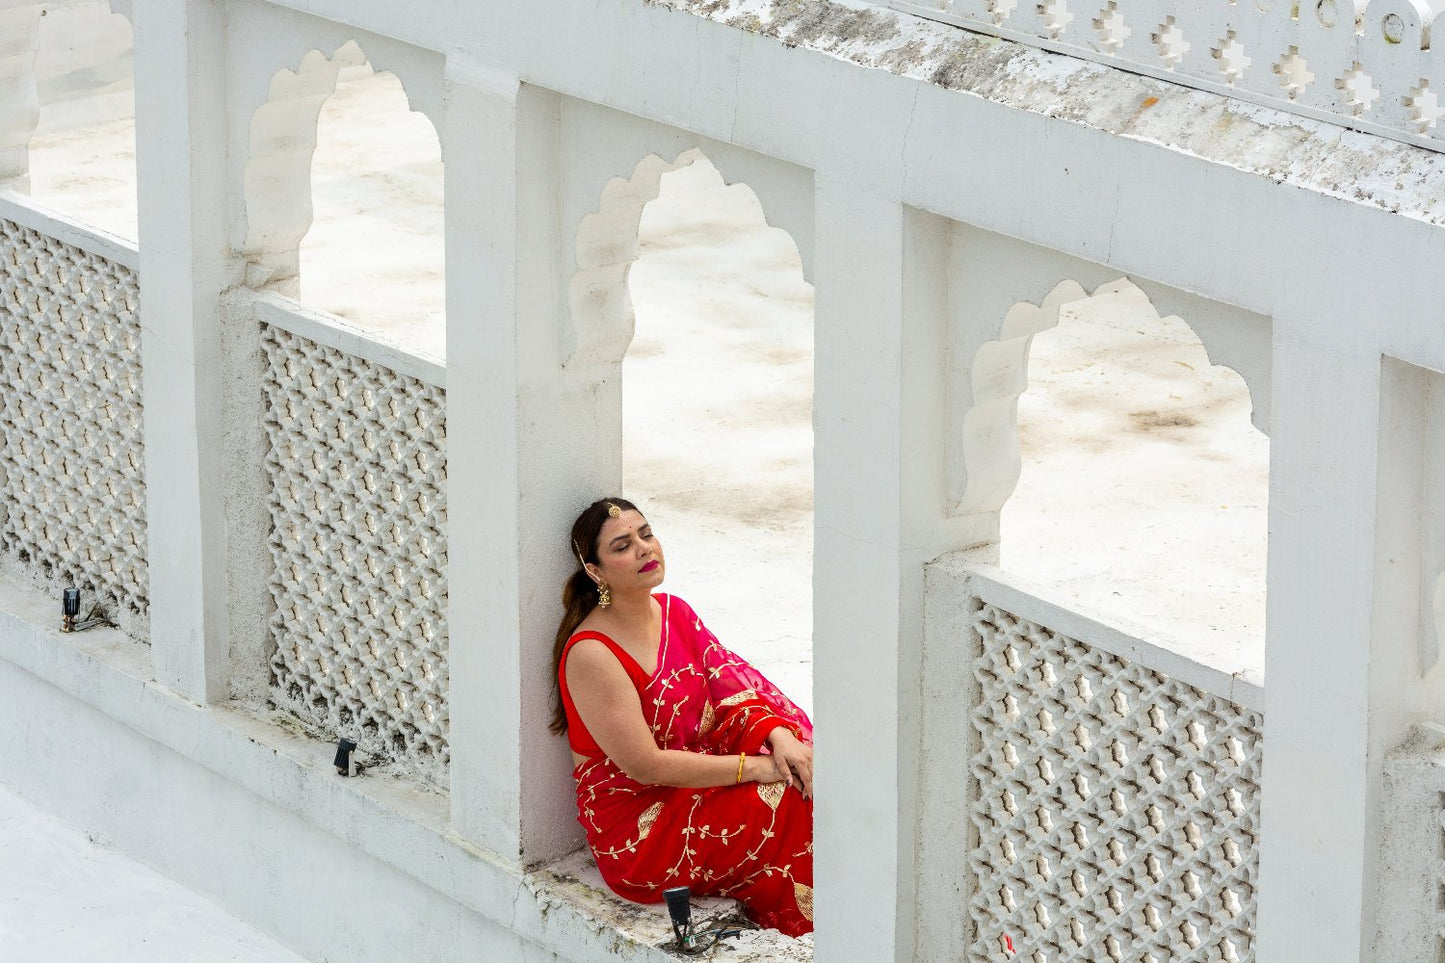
column 754, row 841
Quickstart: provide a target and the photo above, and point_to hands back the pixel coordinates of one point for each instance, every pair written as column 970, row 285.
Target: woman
column 692, row 769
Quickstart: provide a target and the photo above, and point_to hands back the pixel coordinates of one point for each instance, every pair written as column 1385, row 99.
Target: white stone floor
column 66, row 899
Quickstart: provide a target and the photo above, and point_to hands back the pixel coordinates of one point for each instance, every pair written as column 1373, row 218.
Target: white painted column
column 1328, row 719
column 184, row 267
column 940, row 673
column 479, row 151
column 867, row 584
column 525, row 442
column 1409, row 559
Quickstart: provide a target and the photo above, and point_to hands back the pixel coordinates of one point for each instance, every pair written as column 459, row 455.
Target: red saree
column 753, row 842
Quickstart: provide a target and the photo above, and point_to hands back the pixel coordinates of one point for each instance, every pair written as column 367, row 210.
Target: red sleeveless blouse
column 578, row 737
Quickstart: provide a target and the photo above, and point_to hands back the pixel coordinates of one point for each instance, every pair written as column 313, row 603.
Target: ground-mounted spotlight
column 348, row 761
column 70, row 611
column 679, row 908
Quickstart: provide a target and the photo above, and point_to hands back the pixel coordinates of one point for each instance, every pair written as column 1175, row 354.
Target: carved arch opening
column 67, row 109
column 701, row 305
column 598, row 296
column 1131, row 477
column 279, row 186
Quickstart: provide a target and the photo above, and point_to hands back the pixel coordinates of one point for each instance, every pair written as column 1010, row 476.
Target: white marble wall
column 937, row 191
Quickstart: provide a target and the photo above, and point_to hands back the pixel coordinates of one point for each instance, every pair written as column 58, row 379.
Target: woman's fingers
column 793, row 763
column 800, row 768
column 803, row 766
column 780, row 763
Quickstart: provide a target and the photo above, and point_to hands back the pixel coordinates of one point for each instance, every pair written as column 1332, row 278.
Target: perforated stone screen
column 72, row 488
column 357, row 471
column 1117, row 809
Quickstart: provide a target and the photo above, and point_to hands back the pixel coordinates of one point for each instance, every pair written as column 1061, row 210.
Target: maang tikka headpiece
column 612, row 512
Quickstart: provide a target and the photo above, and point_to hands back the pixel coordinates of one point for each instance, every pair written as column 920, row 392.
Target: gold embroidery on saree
column 772, row 792
column 645, row 821
column 804, row 897
column 738, row 698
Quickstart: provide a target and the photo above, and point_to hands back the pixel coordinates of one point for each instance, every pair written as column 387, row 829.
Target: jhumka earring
column 604, row 595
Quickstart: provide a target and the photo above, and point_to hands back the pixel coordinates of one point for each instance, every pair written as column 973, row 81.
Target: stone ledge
column 575, row 881
column 567, row 910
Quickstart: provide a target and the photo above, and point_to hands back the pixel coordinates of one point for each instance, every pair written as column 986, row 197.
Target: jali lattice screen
column 1117, row 809
column 357, row 471
column 72, row 486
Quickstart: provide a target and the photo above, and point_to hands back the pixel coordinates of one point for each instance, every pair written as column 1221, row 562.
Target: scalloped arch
column 19, row 100
column 277, row 177
column 990, row 434
column 603, row 320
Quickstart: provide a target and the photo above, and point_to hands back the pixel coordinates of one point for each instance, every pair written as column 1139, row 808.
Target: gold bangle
column 742, row 757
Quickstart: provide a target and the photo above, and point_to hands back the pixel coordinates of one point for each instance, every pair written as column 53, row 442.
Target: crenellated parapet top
column 1370, row 67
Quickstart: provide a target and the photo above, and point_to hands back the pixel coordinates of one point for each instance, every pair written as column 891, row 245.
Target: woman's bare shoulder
column 589, row 654
column 593, row 667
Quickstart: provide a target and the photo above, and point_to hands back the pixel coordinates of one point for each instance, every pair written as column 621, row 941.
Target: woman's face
column 629, row 556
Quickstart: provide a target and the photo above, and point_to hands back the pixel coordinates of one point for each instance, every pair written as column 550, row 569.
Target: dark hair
column 579, row 592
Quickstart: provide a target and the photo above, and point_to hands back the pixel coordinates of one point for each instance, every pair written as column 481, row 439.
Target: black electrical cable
column 680, row 910
column 691, row 944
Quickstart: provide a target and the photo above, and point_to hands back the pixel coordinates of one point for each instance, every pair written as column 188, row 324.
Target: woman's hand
column 793, row 759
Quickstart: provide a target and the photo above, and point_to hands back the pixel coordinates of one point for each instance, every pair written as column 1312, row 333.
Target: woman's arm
column 611, row 710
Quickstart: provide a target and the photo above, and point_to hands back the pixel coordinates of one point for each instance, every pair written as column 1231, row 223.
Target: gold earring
column 604, row 595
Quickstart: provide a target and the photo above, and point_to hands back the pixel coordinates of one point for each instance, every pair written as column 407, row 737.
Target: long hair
column 579, row 592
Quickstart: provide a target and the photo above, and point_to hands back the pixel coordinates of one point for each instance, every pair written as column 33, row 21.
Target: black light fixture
column 679, row 908
column 347, row 761
column 70, row 609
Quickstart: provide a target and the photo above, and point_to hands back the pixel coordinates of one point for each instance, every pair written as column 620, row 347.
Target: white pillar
column 184, row 267
column 1410, row 558
column 479, row 151
column 867, row 583
column 940, row 674
column 525, row 440
column 1329, row 718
